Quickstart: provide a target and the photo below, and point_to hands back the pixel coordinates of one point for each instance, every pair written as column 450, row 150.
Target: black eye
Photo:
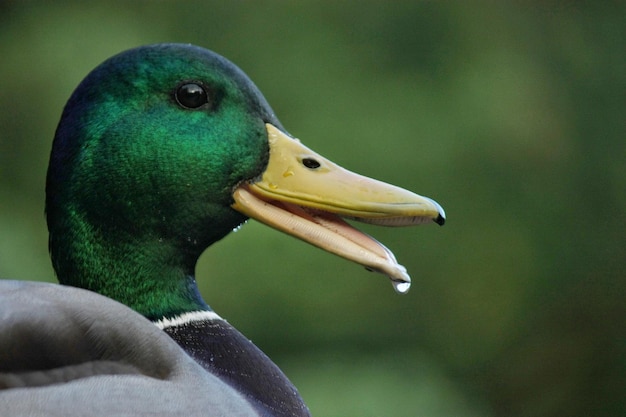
column 191, row 96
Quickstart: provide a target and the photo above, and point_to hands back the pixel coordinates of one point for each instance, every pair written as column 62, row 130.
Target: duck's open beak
column 306, row 195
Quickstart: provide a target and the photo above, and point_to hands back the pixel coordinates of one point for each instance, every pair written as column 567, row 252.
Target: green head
column 146, row 156
column 162, row 150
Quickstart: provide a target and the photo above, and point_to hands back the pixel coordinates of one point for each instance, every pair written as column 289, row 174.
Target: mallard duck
column 160, row 152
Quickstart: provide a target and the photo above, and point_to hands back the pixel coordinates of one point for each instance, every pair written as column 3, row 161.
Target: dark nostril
column 310, row 163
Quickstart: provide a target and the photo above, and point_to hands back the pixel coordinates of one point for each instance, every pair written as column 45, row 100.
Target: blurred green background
column 510, row 114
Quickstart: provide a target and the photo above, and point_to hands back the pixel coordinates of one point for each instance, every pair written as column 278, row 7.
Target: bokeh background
column 510, row 114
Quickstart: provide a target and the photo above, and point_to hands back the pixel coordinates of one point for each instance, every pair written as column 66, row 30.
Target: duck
column 160, row 152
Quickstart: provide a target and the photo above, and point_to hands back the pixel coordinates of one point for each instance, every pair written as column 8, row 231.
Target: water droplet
column 401, row 287
column 236, row 229
column 273, row 186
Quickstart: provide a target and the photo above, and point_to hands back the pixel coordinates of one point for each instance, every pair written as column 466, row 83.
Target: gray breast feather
column 70, row 352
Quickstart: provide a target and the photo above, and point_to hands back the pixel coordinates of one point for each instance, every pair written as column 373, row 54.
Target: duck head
column 163, row 150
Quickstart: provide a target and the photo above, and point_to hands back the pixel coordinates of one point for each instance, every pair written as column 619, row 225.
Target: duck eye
column 191, row 96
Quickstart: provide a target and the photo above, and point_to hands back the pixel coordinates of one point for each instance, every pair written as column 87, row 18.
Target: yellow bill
column 307, row 196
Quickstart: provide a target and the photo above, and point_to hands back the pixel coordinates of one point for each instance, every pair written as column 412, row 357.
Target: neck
column 225, row 352
column 152, row 275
